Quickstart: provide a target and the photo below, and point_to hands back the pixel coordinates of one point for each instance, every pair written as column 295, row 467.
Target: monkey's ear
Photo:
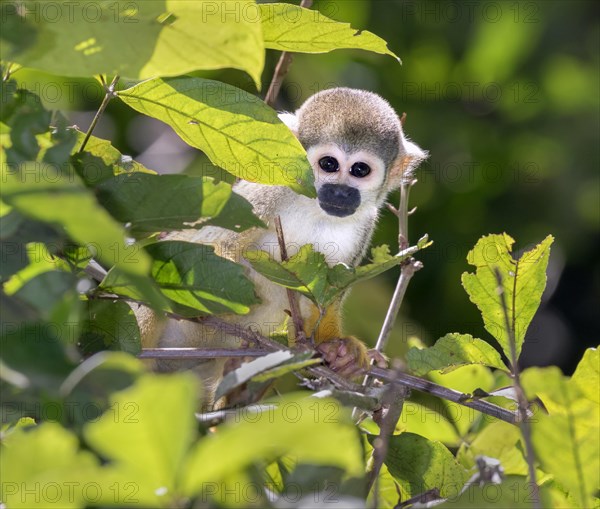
column 411, row 156
column 290, row 120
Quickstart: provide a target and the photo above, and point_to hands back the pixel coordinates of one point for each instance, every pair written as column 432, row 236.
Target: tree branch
column 422, row 385
column 386, row 417
column 282, row 68
column 406, row 272
column 291, row 295
column 199, row 353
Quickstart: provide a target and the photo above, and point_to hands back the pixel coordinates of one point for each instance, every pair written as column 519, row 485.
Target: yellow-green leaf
column 498, row 440
column 419, row 465
column 42, row 467
column 289, row 27
column 308, row 273
column 236, row 130
column 587, row 374
column 523, row 282
column 310, row 430
column 137, row 40
column 566, row 440
column 146, row 433
column 452, row 351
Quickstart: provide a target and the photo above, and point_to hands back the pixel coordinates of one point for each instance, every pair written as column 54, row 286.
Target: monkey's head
column 356, row 146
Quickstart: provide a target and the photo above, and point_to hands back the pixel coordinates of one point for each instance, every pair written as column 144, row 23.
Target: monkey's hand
column 346, row 356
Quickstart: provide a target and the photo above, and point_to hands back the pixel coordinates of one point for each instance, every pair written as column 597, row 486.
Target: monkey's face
column 346, row 182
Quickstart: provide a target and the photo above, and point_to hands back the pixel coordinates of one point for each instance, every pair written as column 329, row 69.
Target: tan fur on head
column 358, row 120
column 352, row 119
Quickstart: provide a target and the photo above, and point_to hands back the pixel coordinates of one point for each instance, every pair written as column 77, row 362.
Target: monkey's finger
column 380, row 360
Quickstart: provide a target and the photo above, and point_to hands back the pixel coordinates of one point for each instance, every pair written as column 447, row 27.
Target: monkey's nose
column 339, row 200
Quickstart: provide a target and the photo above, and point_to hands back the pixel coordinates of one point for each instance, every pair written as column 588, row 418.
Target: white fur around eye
column 373, row 181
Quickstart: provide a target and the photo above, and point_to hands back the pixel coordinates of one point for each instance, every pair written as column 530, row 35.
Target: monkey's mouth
column 339, row 200
column 336, row 210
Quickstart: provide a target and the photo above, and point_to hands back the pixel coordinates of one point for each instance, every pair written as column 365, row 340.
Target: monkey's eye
column 329, row 164
column 360, row 170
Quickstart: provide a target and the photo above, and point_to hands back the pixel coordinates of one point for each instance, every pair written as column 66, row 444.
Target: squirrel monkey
column 356, row 147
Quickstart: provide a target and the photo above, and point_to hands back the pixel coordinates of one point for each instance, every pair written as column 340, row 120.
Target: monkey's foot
column 346, row 356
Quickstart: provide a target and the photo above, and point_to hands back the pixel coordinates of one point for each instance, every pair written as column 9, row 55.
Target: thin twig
column 282, row 68
column 110, row 94
column 199, row 353
column 422, row 385
column 521, row 399
column 403, row 214
column 291, row 295
column 390, row 413
column 406, row 272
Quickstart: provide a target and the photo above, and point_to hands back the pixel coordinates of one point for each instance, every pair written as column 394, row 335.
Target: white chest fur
column 341, row 240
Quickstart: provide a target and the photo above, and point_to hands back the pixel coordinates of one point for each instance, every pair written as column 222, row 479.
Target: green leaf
column 37, row 261
column 16, row 231
column 100, row 161
column 146, row 434
column 387, row 496
column 25, row 118
column 308, row 273
column 237, row 215
column 36, row 350
column 309, row 430
column 291, row 28
column 45, row 193
column 109, row 326
column 523, row 282
column 154, row 203
column 53, row 295
column 566, row 441
column 193, row 276
column 305, row 272
column 587, row 374
column 429, row 422
column 138, row 39
column 419, row 465
column 498, row 440
column 450, row 352
column 236, row 130
column 43, row 466
column 139, row 288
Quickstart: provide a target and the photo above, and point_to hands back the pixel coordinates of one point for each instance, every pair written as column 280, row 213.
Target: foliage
column 85, row 424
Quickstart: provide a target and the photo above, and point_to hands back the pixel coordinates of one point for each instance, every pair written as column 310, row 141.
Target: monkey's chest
column 339, row 241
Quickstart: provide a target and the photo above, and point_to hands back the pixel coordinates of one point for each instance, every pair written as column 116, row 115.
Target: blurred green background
column 505, row 97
